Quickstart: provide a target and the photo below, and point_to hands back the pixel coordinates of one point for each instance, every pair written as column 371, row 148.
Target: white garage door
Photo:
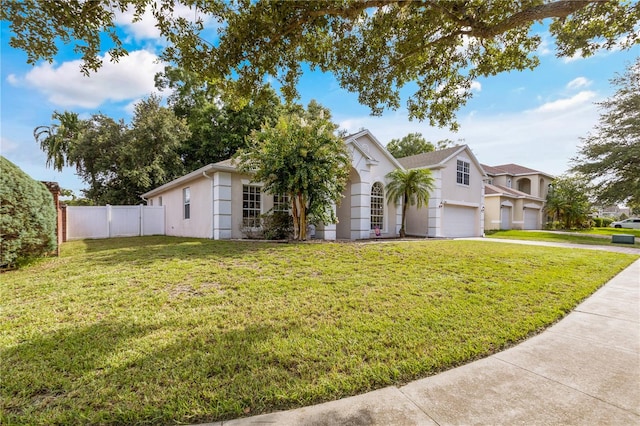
column 531, row 219
column 459, row 221
column 505, row 217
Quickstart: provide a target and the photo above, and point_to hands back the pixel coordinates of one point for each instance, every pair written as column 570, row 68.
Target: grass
column 161, row 330
column 611, row 231
column 591, row 237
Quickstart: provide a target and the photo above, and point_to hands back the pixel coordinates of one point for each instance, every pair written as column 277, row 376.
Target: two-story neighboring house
column 514, row 197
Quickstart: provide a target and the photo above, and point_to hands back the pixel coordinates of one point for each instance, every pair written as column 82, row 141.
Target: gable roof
column 352, row 139
column 513, row 170
column 493, row 189
column 438, row 159
column 430, row 159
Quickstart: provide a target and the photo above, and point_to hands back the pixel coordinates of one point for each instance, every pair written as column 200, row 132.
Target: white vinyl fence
column 114, row 221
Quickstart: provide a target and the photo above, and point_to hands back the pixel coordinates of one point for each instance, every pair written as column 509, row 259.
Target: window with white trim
column 186, row 198
column 251, row 206
column 160, row 201
column 462, row 176
column 377, row 206
column 281, row 203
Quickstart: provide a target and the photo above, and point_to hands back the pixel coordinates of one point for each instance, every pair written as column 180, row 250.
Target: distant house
column 218, row 202
column 515, row 197
column 456, row 205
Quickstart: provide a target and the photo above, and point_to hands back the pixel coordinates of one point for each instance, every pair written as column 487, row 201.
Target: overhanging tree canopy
column 373, row 47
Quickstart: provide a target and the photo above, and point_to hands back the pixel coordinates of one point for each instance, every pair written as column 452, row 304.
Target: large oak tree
column 373, row 47
column 610, row 155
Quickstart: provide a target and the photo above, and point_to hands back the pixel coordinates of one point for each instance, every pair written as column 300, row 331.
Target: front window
column 377, row 206
column 281, row 203
column 251, row 206
column 462, row 176
column 186, row 197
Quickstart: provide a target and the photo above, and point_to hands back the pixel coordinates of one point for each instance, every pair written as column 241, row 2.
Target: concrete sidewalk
column 585, row 370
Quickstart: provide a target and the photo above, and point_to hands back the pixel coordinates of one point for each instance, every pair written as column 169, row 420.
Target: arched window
column 377, row 206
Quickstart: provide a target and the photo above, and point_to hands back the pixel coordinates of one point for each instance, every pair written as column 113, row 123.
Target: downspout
column 212, row 204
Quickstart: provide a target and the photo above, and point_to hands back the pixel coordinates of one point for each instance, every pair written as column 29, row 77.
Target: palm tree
column 56, row 140
column 410, row 186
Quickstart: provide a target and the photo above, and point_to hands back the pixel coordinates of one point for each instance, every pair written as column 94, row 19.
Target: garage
column 459, row 221
column 505, row 217
column 531, row 218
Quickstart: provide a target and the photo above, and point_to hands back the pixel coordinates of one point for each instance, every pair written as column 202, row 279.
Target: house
column 514, row 197
column 218, row 202
column 456, row 206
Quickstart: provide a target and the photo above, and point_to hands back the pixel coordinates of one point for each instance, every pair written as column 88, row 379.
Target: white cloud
column 65, row 85
column 13, row 80
column 571, row 103
column 579, row 82
column 145, row 28
column 545, row 138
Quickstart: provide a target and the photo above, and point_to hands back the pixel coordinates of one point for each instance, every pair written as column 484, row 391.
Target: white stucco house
column 456, row 206
column 515, row 197
column 218, row 202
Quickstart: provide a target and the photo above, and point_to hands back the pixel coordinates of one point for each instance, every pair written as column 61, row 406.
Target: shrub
column 277, row 226
column 28, row 217
column 602, row 222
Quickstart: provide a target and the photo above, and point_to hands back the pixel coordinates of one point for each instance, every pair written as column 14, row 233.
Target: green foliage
column 28, row 217
column 412, row 144
column 602, row 222
column 373, row 48
column 568, row 201
column 410, row 187
column 118, row 162
column 277, row 225
column 218, row 126
column 301, row 157
column 609, row 155
column 165, row 330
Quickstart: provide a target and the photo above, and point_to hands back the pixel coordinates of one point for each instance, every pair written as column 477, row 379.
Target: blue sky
column 533, row 118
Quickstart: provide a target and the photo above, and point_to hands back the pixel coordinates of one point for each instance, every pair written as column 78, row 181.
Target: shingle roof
column 511, row 169
column 428, row 158
column 229, row 162
column 499, row 189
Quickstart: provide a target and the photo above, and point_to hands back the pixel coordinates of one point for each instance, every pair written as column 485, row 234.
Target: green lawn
column 161, row 330
column 593, row 236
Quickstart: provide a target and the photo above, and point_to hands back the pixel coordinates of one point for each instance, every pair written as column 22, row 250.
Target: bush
column 28, row 217
column 602, row 222
column 277, row 226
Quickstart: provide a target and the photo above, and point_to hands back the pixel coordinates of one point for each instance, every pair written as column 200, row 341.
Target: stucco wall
column 199, row 225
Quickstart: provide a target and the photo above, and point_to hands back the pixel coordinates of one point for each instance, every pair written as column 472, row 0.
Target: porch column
column 222, row 206
column 360, row 211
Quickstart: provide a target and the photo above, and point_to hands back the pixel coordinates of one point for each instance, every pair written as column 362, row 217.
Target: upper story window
column 462, row 176
column 251, row 206
column 281, row 203
column 377, row 206
column 186, row 198
column 160, row 201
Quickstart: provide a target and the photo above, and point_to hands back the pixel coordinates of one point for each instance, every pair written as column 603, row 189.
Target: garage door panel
column 459, row 221
column 505, row 218
column 531, row 219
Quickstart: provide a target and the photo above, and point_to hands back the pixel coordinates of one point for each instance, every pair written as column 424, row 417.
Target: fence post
column 141, row 221
column 109, row 220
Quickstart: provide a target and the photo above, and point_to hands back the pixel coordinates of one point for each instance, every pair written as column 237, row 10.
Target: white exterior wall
column 200, row 224
column 370, row 172
column 431, row 222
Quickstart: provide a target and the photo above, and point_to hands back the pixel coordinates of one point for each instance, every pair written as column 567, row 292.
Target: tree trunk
column 404, row 216
column 294, row 214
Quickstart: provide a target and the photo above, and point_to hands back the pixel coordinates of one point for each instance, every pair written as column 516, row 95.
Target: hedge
column 28, row 217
